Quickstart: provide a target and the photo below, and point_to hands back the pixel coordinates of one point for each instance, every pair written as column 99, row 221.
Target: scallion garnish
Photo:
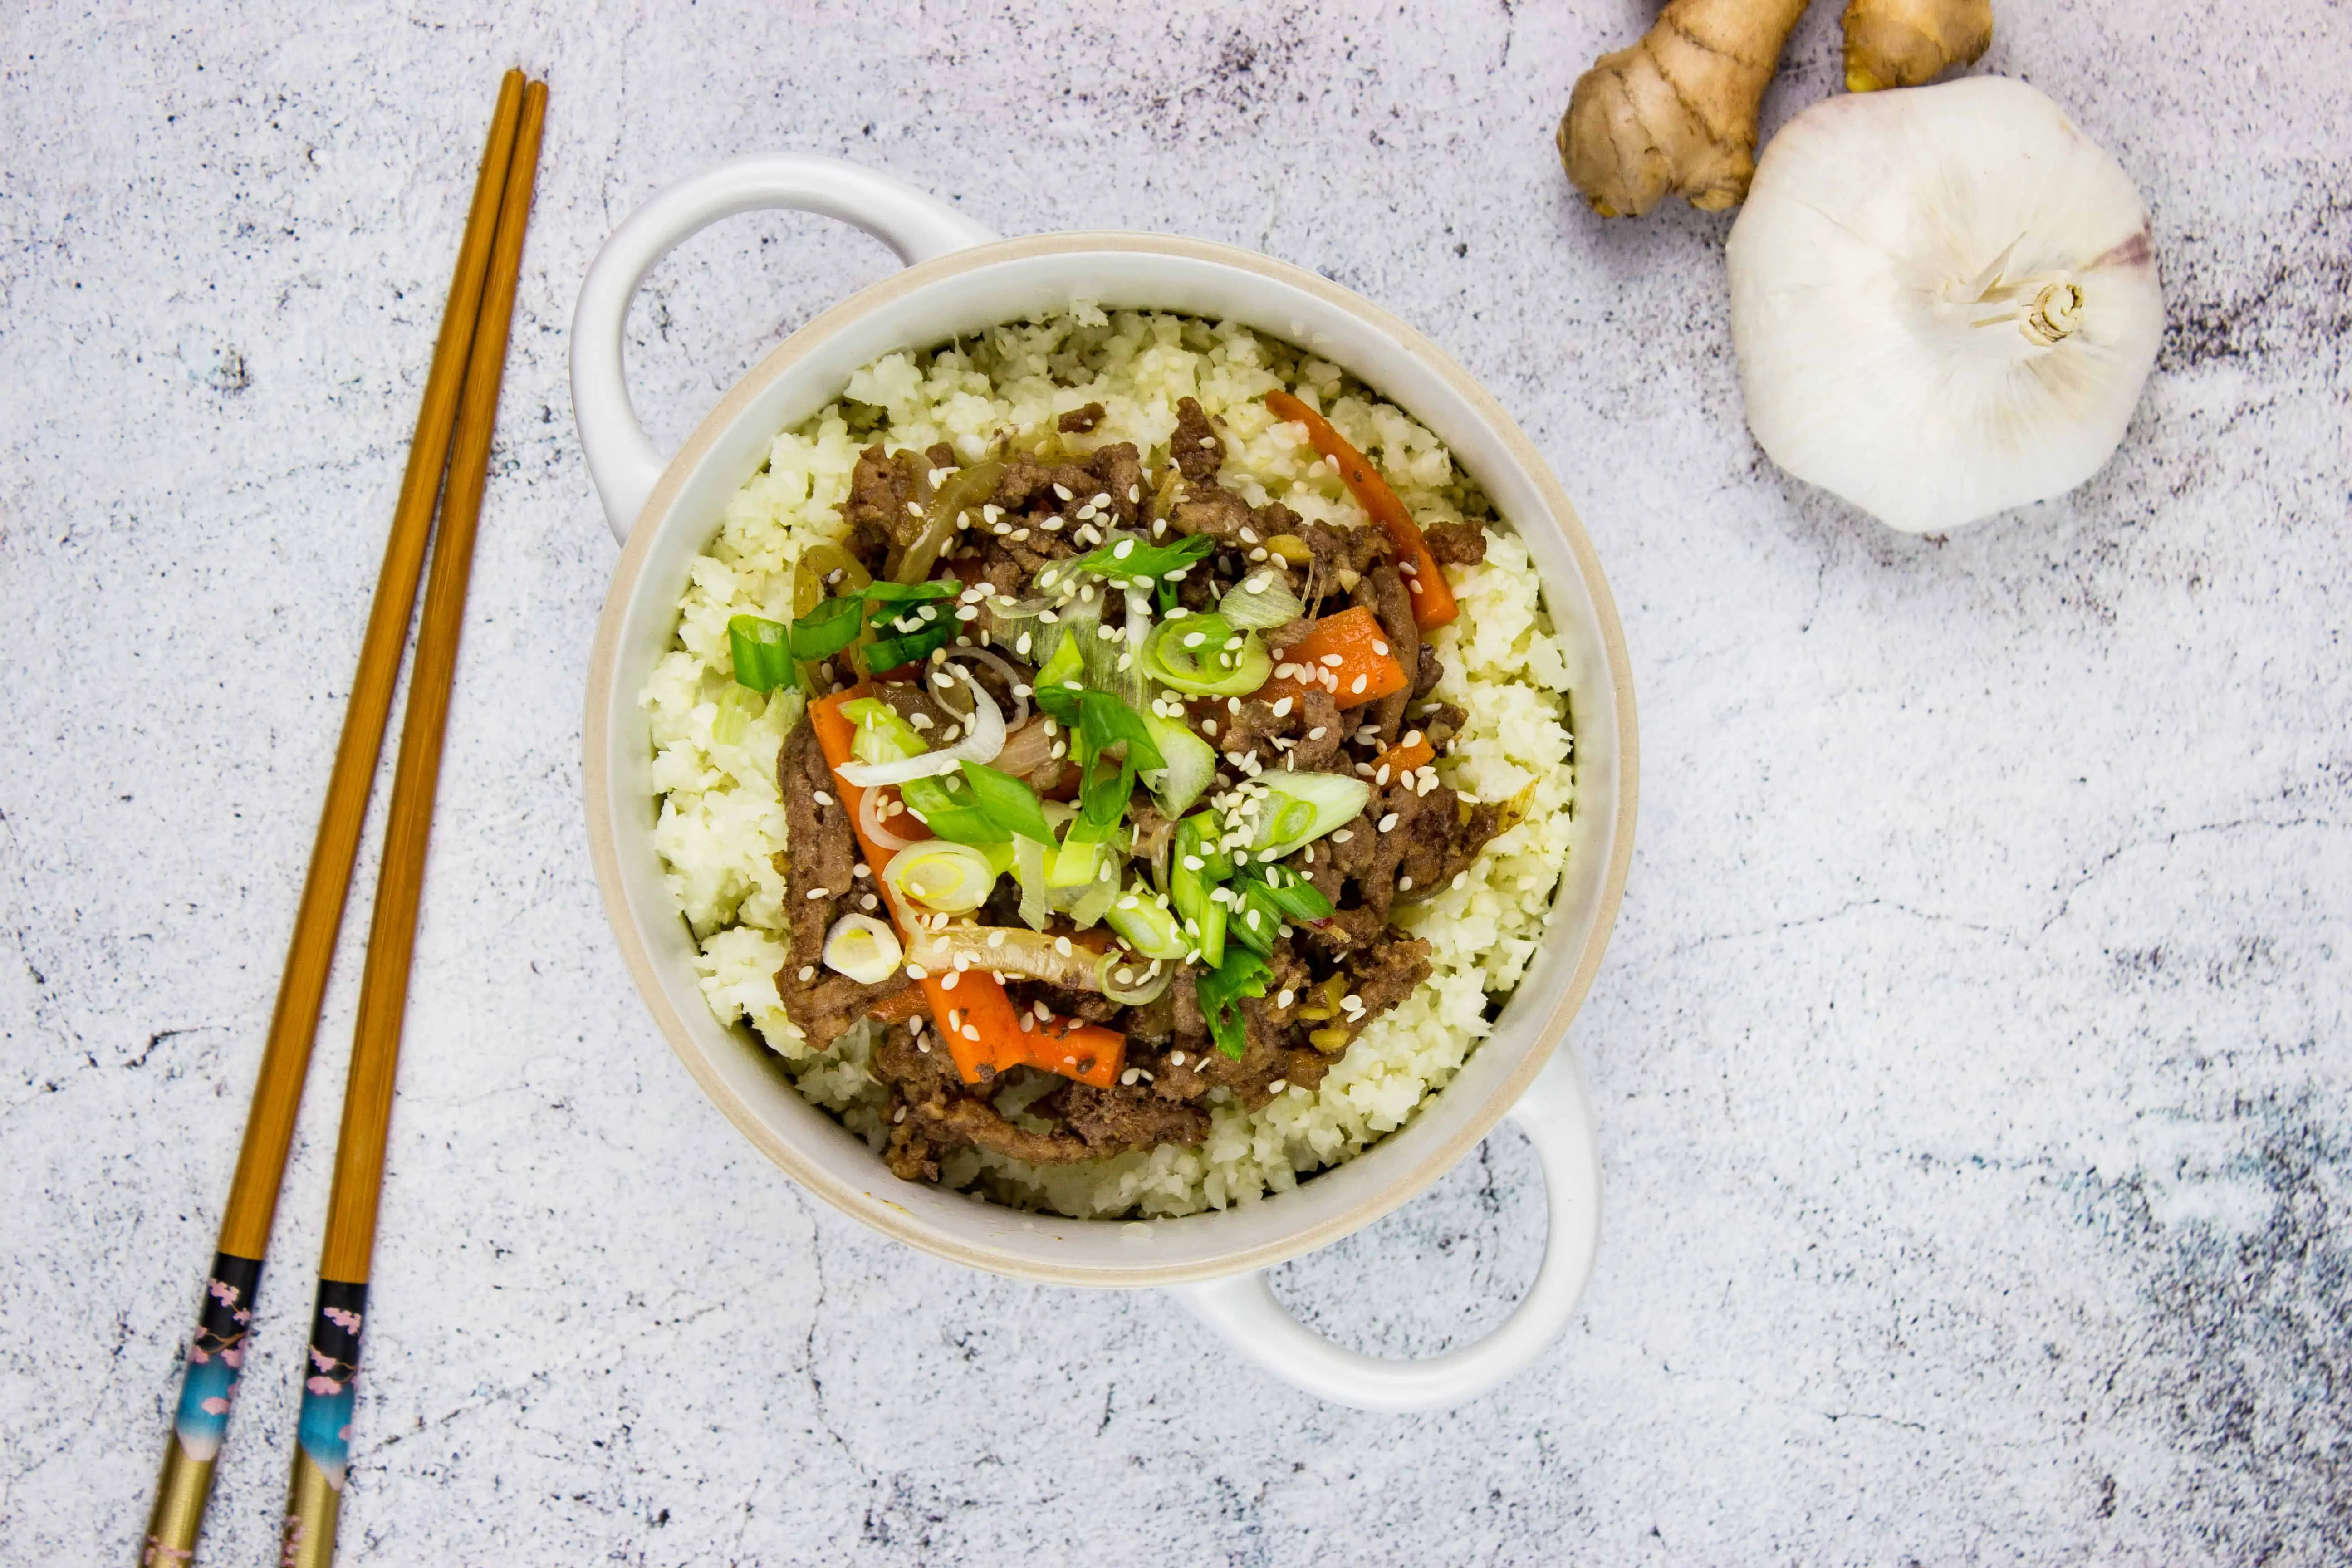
column 764, row 652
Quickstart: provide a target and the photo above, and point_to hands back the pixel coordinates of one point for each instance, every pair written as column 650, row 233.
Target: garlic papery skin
column 1944, row 300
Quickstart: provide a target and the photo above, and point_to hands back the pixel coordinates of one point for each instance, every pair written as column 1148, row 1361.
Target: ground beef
column 1214, row 510
column 1384, row 592
column 1041, row 522
column 823, row 855
column 1080, row 421
column 1342, row 555
column 1428, row 670
column 1384, row 973
column 1113, row 1120
column 1309, row 735
column 881, row 488
column 1195, row 448
column 1431, row 840
column 1194, row 1066
column 1460, row 543
column 932, row 1111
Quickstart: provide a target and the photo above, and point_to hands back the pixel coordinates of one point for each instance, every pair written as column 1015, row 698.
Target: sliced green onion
column 1009, row 802
column 882, row 736
column 1105, row 721
column 1063, row 670
column 828, row 628
column 1147, row 925
column 737, row 706
column 1243, row 974
column 884, row 655
column 1192, row 763
column 1203, row 656
column 1261, row 600
column 1128, row 556
column 1194, row 866
column 942, row 877
column 764, row 652
column 893, row 593
column 1302, row 807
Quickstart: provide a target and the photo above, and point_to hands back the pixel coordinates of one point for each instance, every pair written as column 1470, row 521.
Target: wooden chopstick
column 216, row 1352
column 322, row 1434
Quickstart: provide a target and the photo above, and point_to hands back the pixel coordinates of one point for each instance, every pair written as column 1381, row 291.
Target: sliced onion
column 1008, row 950
column 1146, row 977
column 1026, row 748
column 942, row 877
column 984, row 740
column 1261, row 609
column 869, row 817
column 1013, row 681
column 863, row 947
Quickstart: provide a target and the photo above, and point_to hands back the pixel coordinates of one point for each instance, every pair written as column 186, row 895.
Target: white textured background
column 1971, row 1059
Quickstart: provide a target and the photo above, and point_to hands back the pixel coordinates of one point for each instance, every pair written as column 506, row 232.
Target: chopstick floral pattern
column 216, row 1355
column 324, row 1430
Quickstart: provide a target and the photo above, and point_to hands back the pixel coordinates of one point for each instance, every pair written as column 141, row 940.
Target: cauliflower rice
column 721, row 825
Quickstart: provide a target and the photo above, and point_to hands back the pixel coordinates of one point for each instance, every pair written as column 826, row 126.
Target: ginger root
column 1676, row 114
column 1903, row 43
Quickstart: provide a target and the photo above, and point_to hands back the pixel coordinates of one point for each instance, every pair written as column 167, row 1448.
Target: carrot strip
column 1402, row 758
column 974, row 1016
column 1433, row 599
column 900, row 1005
column 1366, row 670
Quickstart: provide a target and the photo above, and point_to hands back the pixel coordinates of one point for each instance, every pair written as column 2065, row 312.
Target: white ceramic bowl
column 960, row 279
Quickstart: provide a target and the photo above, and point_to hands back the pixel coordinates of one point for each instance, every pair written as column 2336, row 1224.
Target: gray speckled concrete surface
column 1972, row 1059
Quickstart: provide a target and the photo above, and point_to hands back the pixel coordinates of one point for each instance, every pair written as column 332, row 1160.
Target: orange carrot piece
column 1433, row 599
column 900, row 1007
column 1366, row 672
column 974, row 1016
column 1402, row 758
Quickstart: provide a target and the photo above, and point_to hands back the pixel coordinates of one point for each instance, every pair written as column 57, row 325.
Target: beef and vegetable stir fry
column 1108, row 773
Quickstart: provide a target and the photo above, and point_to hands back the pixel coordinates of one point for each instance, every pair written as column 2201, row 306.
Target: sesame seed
column 1356, row 688
column 1404, row 884
column 1064, row 491
column 1134, row 494
column 1129, row 1075
column 996, row 938
column 1208, row 440
column 1282, row 707
column 914, row 509
column 948, row 981
column 861, row 870
column 1277, row 1086
column 971, row 1032
column 816, row 893
column 869, row 904
column 1315, row 734
column 898, row 1115
column 1062, row 945
column 1412, row 737
column 1334, row 660
column 1285, row 998
column 969, row 613
column 917, row 971
column 1388, row 821
column 808, row 972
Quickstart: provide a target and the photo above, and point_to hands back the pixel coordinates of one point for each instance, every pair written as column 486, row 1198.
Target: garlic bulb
column 1944, row 300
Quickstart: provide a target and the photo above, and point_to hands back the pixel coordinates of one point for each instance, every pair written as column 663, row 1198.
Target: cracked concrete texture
column 1971, row 1059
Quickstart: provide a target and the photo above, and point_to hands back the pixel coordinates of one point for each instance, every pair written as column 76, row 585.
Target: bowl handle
column 621, row 460
column 1555, row 1116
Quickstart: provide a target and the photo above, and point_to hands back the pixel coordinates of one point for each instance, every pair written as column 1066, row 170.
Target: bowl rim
column 870, row 1207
